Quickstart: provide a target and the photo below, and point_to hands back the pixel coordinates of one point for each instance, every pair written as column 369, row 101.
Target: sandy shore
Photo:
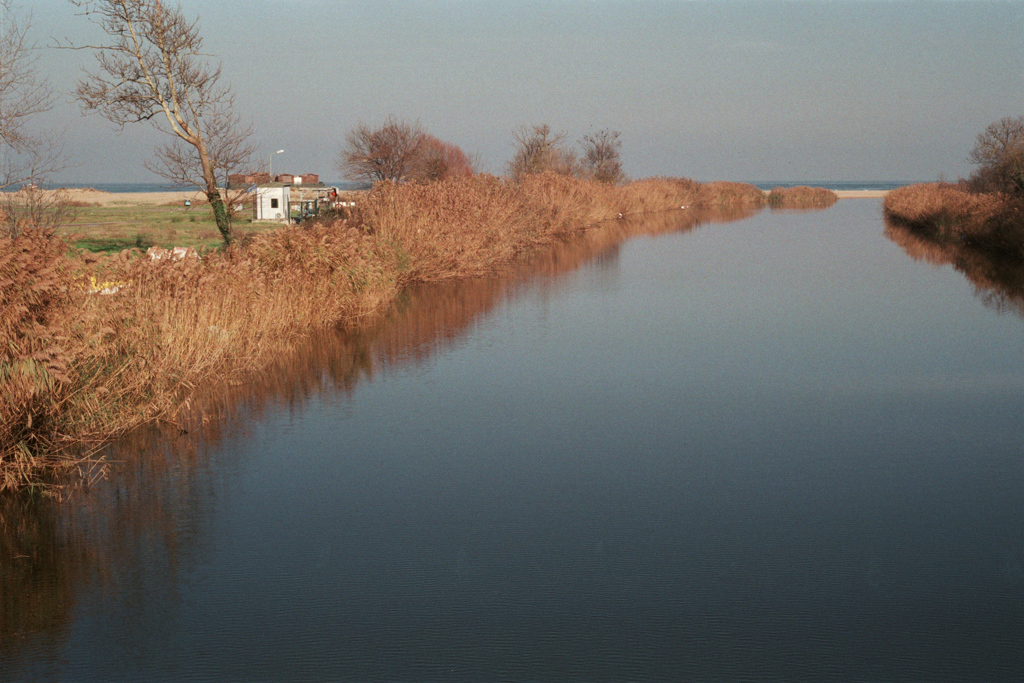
column 134, row 198
column 861, row 194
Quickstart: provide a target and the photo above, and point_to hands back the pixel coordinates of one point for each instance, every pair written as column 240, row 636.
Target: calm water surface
column 775, row 449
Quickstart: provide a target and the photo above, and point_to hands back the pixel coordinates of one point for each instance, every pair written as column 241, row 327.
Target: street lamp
column 272, row 164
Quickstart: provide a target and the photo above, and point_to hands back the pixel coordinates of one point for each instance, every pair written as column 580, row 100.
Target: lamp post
column 272, row 164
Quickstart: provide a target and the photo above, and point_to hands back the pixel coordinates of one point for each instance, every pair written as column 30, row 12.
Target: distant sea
column 763, row 184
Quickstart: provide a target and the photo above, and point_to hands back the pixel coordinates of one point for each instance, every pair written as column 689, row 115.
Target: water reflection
column 142, row 527
column 112, row 542
column 998, row 282
column 39, row 571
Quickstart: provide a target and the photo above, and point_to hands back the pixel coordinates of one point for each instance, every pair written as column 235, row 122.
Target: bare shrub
column 27, row 156
column 438, row 160
column 389, row 152
column 539, row 150
column 400, row 151
column 999, row 154
column 601, row 157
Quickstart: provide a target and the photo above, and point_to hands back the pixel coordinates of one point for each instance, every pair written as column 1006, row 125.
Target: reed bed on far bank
column 93, row 346
column 801, row 197
column 469, row 226
column 950, row 212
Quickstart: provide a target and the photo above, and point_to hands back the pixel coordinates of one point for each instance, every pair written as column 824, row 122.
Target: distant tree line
column 539, row 150
column 400, row 151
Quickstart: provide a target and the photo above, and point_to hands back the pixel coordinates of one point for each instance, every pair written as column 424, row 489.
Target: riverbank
column 95, row 345
column 950, row 212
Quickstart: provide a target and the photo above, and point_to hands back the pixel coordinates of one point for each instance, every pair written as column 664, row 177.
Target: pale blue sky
column 758, row 90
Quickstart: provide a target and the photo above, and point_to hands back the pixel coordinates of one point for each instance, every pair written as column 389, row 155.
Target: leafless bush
column 400, row 151
column 601, row 160
column 539, row 150
column 438, row 160
column 999, row 155
column 386, row 153
column 28, row 157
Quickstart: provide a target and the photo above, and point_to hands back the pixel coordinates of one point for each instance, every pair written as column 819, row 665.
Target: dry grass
column 93, row 197
column 79, row 367
column 801, row 197
column 472, row 225
column 943, row 211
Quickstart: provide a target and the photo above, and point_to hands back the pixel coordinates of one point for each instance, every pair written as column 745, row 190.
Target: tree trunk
column 220, row 211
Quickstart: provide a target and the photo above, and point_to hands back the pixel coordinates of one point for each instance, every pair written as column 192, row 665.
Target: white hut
column 273, row 203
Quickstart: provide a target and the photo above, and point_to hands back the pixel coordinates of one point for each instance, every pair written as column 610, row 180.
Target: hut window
column 273, row 203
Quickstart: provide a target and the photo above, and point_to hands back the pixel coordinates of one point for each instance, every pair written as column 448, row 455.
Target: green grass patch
column 109, row 229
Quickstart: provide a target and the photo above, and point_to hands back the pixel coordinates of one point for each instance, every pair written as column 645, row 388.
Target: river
column 772, row 447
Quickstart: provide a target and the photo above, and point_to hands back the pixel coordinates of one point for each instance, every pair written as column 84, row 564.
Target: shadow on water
column 998, row 282
column 56, row 555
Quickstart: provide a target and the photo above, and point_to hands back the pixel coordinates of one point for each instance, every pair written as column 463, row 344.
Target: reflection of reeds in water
column 52, row 552
column 39, row 574
column 998, row 280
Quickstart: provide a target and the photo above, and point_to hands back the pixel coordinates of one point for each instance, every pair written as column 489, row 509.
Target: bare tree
column 27, row 156
column 438, row 160
column 230, row 147
column 538, row 149
column 386, row 153
column 601, row 159
column 999, row 154
column 1000, row 138
column 152, row 68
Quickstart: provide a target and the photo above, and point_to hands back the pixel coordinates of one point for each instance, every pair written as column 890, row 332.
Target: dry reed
column 801, row 197
column 943, row 211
